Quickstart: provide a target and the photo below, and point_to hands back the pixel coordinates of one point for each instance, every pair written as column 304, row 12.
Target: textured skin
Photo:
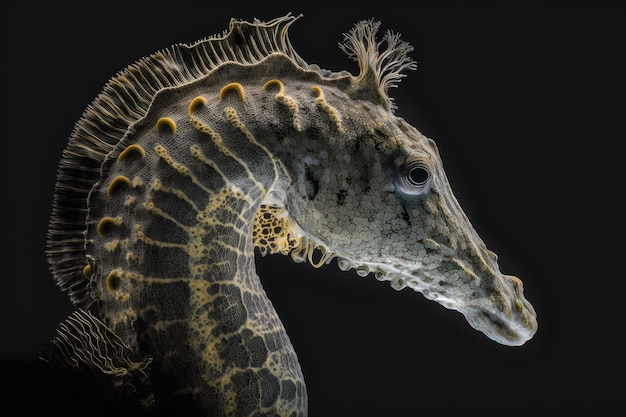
column 194, row 156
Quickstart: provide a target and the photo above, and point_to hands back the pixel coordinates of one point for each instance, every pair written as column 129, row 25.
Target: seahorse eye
column 418, row 175
column 413, row 175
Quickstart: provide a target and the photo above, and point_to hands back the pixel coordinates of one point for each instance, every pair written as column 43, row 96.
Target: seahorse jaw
column 502, row 313
column 499, row 310
column 513, row 323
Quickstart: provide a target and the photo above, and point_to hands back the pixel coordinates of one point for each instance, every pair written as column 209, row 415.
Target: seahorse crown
column 127, row 97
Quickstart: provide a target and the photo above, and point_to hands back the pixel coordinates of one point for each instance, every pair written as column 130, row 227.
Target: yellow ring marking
column 233, row 86
column 105, row 223
column 87, row 271
column 117, row 182
column 281, row 87
column 319, row 92
column 113, row 281
column 131, row 149
column 330, row 110
column 285, row 100
column 196, row 103
column 166, row 123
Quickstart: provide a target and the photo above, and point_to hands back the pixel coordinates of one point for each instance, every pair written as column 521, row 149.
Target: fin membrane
column 85, row 345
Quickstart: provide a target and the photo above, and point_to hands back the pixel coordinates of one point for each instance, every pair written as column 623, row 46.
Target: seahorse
column 193, row 158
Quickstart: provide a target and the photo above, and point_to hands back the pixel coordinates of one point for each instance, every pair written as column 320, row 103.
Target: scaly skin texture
column 195, row 156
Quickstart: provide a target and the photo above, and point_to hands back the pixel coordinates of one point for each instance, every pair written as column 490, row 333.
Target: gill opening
column 275, row 232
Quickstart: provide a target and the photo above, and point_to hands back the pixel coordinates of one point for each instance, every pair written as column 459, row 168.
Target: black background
column 526, row 103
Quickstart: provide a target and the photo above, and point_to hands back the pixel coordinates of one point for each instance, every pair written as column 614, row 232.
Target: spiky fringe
column 383, row 64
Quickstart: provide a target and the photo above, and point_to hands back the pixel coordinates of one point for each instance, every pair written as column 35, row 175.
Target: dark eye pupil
column 418, row 175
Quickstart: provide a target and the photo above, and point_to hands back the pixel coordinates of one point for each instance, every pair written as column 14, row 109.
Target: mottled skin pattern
column 194, row 156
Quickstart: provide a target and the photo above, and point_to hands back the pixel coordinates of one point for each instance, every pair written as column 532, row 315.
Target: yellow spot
column 137, row 181
column 233, row 86
column 117, row 183
column 106, row 223
column 130, row 257
column 113, row 281
column 131, row 149
column 166, row 123
column 87, row 271
column 198, row 270
column 270, row 83
column 112, row 245
column 196, row 103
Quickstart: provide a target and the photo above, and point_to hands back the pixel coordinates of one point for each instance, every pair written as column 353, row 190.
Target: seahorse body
column 192, row 157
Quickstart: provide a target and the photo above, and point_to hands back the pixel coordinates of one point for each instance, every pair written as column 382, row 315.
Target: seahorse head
column 370, row 190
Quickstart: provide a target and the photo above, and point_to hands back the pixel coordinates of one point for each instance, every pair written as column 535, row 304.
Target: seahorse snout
column 510, row 319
